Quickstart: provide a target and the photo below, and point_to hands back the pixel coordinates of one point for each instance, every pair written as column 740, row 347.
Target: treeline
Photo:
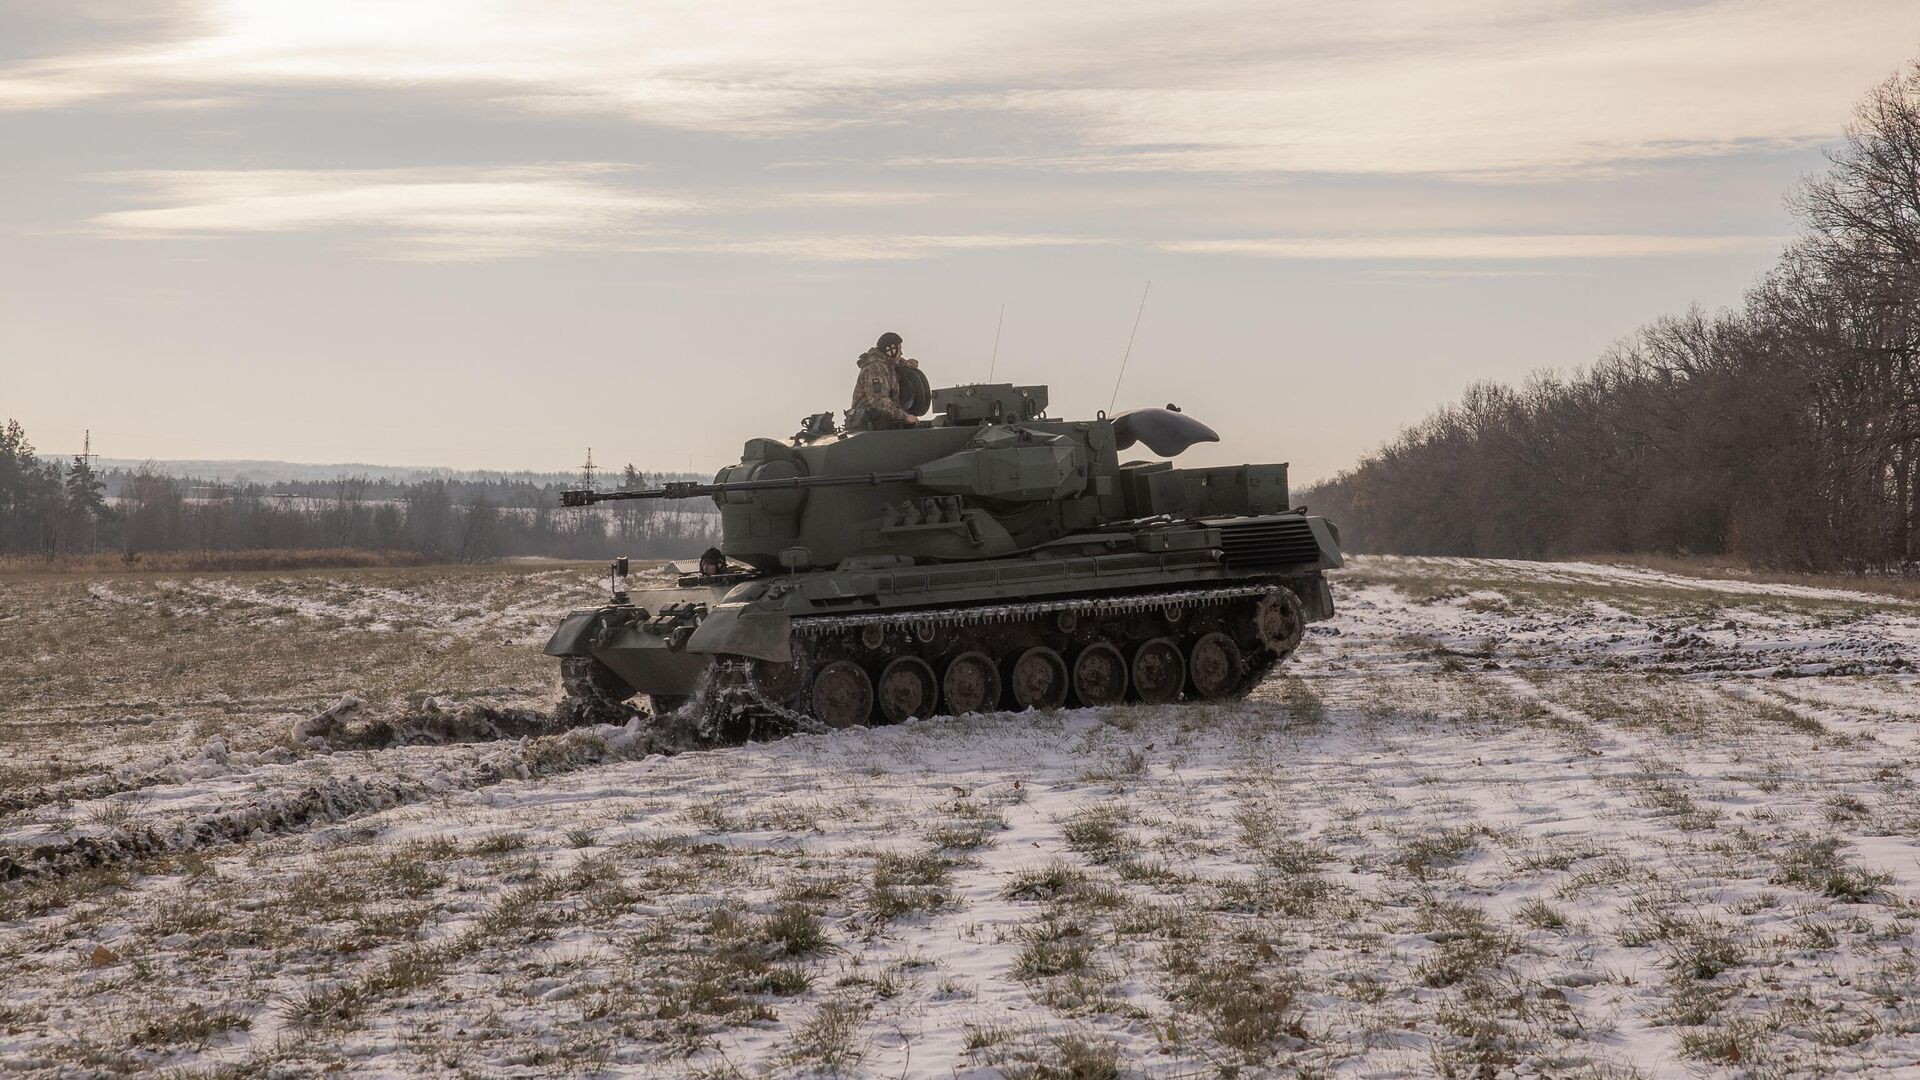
column 1785, row 433
column 498, row 490
column 53, row 508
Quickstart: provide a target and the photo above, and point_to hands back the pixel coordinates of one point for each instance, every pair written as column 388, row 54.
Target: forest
column 56, row 508
column 1782, row 434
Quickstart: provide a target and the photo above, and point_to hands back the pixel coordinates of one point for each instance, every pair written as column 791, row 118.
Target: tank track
column 733, row 708
column 594, row 694
column 745, row 699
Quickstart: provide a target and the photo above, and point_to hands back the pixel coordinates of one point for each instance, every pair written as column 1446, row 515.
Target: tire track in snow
column 339, row 799
column 429, row 724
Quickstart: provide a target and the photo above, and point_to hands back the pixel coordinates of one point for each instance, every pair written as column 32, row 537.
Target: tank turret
column 990, row 475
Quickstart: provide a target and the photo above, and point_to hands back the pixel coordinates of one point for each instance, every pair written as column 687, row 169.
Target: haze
column 490, row 235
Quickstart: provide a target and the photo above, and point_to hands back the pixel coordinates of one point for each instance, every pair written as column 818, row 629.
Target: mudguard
column 739, row 632
column 1328, row 535
column 574, row 635
column 1317, row 600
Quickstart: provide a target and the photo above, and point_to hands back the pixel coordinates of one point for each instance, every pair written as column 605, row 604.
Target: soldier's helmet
column 889, row 339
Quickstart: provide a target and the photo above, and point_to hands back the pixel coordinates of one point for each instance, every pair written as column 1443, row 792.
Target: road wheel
column 906, row 689
column 840, row 694
column 1215, row 666
column 1159, row 671
column 1038, row 678
column 971, row 684
column 1099, row 675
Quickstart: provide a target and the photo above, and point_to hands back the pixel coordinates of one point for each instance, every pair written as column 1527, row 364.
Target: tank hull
column 769, row 651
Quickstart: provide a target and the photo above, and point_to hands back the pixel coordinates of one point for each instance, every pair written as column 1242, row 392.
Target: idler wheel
column 971, row 684
column 1280, row 621
column 906, row 689
column 1159, row 671
column 840, row 694
column 1038, row 678
column 1215, row 666
column 1099, row 675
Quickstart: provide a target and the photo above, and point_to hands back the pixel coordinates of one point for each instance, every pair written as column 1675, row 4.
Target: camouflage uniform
column 876, row 395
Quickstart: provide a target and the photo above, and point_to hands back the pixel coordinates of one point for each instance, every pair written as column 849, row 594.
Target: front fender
column 742, row 632
column 1328, row 535
column 575, row 634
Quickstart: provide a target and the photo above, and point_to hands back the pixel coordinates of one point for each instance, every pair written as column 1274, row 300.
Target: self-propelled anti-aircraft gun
column 989, row 557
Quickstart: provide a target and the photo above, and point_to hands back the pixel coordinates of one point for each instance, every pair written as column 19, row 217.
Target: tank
column 988, row 558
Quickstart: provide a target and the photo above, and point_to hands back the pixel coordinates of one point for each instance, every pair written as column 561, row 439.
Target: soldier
column 876, row 395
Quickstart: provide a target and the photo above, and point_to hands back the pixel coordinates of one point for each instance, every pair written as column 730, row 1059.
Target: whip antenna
column 1129, row 352
column 995, row 362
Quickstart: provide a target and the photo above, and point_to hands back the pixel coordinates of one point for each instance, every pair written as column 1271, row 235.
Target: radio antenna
column 1129, row 352
column 995, row 362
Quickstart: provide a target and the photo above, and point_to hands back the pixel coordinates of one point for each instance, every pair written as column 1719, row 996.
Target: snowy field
column 1495, row 819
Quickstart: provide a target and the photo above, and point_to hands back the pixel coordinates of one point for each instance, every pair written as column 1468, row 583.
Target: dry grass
column 1817, row 864
column 1428, row 584
column 1715, row 568
column 903, row 883
column 1246, row 1010
column 83, row 686
column 176, row 562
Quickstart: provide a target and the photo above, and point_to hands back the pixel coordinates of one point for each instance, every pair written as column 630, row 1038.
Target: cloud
column 1464, row 247
column 411, row 213
column 470, row 214
column 847, row 247
column 1563, row 88
column 1472, row 87
column 478, row 214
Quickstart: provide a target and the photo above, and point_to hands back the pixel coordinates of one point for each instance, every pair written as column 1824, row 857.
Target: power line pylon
column 587, row 470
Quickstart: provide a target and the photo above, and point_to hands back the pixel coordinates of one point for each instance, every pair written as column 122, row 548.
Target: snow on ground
column 1495, row 819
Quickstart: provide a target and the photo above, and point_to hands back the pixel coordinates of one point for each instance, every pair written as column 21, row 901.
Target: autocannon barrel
column 689, row 489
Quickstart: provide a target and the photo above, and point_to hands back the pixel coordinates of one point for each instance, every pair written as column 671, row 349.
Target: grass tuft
column 1817, row 865
column 828, row 1040
column 902, row 884
column 1042, row 882
column 794, row 931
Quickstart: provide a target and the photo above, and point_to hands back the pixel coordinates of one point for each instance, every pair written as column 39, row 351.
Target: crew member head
column 712, row 561
column 890, row 344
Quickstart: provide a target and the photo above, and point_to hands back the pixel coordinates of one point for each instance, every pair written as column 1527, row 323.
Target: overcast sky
column 490, row 235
